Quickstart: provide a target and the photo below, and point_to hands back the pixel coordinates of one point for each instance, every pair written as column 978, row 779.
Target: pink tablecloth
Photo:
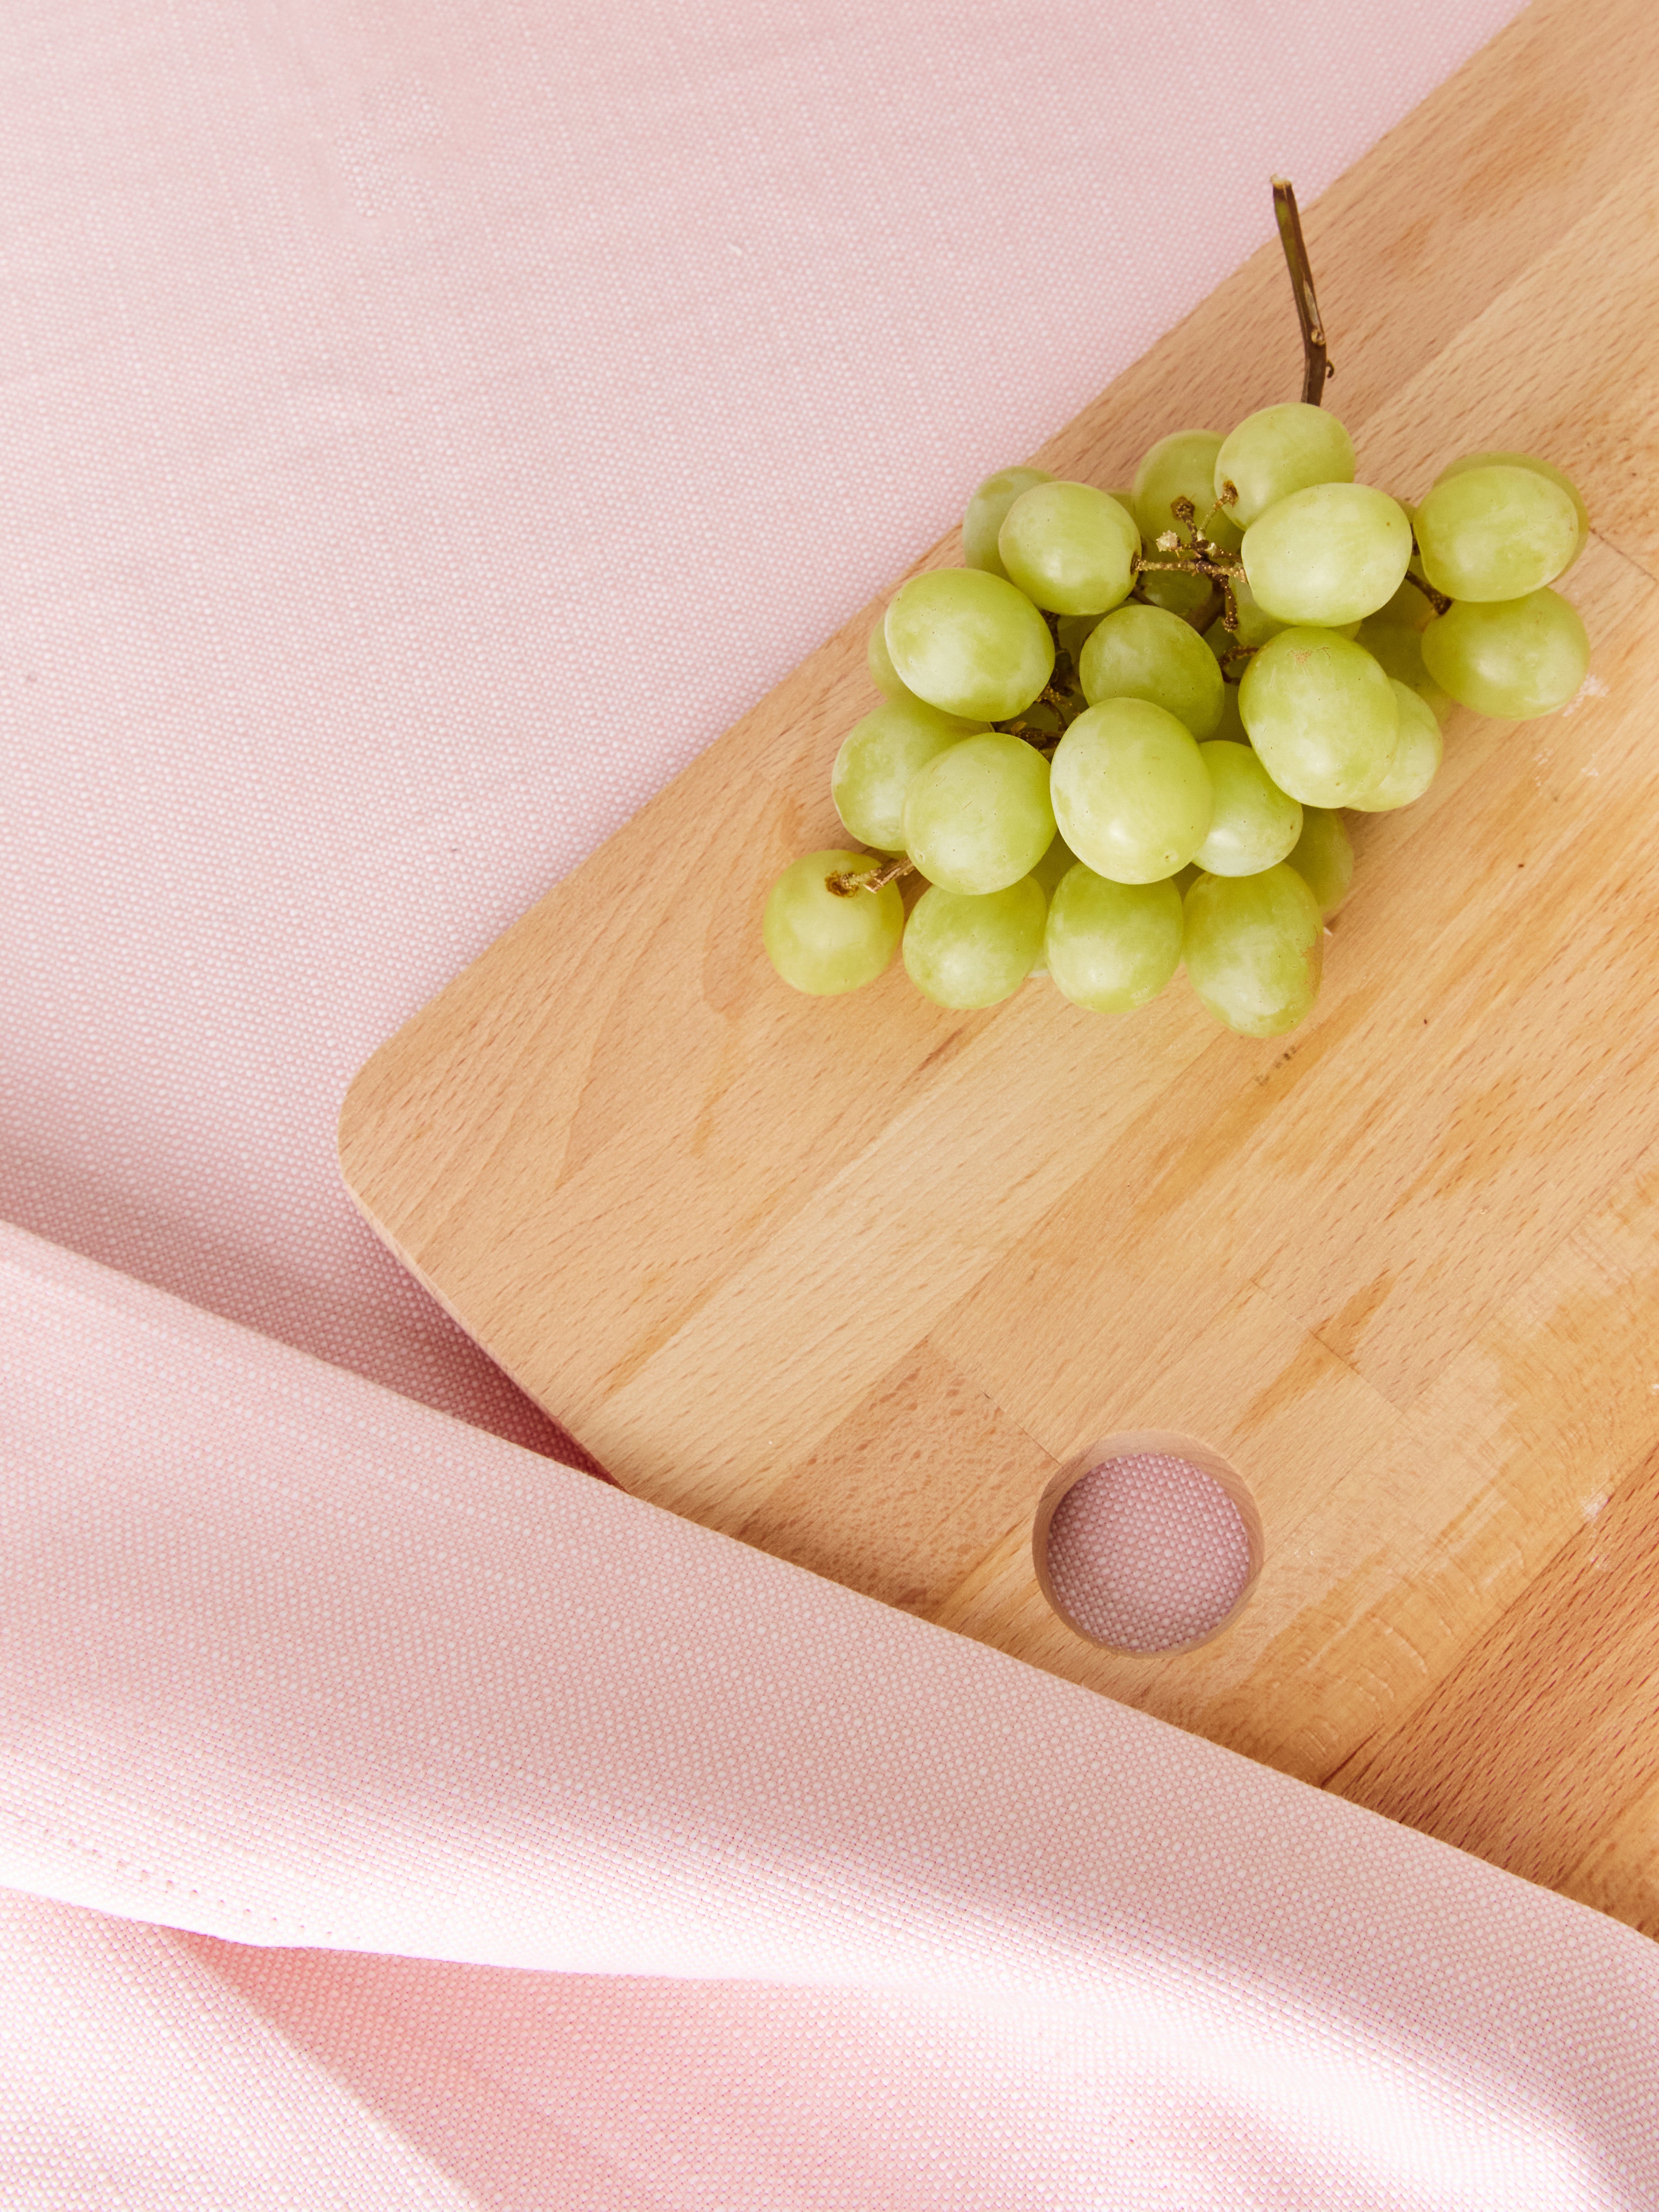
column 425, row 427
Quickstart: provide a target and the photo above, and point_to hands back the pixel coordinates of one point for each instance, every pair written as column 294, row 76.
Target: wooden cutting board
column 848, row 1279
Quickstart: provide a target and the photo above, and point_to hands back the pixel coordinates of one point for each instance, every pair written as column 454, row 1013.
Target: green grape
column 822, row 943
column 1111, row 946
column 1279, row 450
column 1332, row 554
column 1253, row 627
column 1143, row 653
column 1511, row 659
column 1253, row 824
column 1253, row 947
column 1496, row 533
column 1230, row 728
column 1416, row 760
column 875, row 764
column 1321, row 714
column 1184, row 878
column 1177, row 591
column 883, row 674
column 1323, row 857
column 1394, row 637
column 1071, row 634
column 1131, row 794
column 1527, row 461
column 962, row 951
column 978, row 816
column 968, row 643
column 1070, row 548
column 986, row 509
column 1052, row 865
column 1181, row 466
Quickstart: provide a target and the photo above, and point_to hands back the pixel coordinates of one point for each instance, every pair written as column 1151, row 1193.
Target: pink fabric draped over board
column 426, row 426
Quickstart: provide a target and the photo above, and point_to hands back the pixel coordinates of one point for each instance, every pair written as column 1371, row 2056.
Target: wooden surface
column 849, row 1279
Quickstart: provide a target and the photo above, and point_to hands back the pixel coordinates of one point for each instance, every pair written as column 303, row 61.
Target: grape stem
column 1318, row 366
column 845, row 882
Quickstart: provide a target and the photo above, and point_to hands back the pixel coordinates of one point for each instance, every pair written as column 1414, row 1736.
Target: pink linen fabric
column 426, row 426
column 513, row 1843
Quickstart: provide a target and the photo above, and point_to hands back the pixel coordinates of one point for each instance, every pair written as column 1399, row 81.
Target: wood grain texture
column 850, row 1279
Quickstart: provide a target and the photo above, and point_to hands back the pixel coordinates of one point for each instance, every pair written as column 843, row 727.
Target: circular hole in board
column 1147, row 1541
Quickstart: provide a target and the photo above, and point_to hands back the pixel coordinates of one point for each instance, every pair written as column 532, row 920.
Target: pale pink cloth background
column 425, row 427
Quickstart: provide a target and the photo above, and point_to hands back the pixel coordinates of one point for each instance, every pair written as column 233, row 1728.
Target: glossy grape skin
column 1323, row 857
column 1112, row 946
column 1279, row 450
column 880, row 754
column 1527, row 461
column 1496, row 533
column 969, row 952
column 1332, row 554
column 978, row 816
column 1416, row 760
column 1511, row 659
column 1070, row 548
column 1143, row 653
column 1181, row 466
column 1253, row 824
column 1254, row 948
column 824, row 945
column 968, row 643
column 1321, row 714
column 986, row 509
column 1131, row 795
column 883, row 674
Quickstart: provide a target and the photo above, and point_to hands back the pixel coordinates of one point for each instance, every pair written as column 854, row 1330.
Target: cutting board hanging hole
column 1147, row 1541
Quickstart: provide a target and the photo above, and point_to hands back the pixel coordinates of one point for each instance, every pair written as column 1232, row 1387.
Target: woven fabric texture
column 426, row 425
column 746, row 1890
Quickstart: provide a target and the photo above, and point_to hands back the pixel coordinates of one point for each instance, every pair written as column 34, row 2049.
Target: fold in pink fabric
column 732, row 1888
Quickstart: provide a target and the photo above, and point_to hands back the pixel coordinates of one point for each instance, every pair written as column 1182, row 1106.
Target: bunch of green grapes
column 1121, row 739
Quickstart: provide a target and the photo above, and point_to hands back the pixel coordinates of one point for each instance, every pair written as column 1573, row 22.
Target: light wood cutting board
column 848, row 1279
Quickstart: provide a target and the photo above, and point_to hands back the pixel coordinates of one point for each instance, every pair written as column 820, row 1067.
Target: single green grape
column 1417, row 756
column 1496, row 533
column 966, row 951
column 983, row 521
column 968, row 643
column 978, row 817
column 880, row 754
column 1181, row 466
column 1526, row 461
column 1279, row 450
column 1052, row 865
column 1143, row 653
column 1230, row 728
column 1253, row 824
column 883, row 674
column 1323, row 857
column 1394, row 637
column 822, row 943
column 1332, row 554
column 1111, row 946
column 1177, row 591
column 1511, row 659
column 1131, row 794
column 1322, row 715
column 1254, row 948
column 1070, row 548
